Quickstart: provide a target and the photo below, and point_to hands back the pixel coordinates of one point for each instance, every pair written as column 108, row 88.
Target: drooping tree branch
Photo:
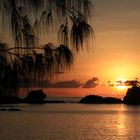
column 33, row 20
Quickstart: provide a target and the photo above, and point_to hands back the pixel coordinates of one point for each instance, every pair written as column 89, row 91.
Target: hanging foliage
column 31, row 21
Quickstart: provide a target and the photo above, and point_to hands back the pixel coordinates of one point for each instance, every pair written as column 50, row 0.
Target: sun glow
column 121, row 79
column 121, row 87
column 119, row 83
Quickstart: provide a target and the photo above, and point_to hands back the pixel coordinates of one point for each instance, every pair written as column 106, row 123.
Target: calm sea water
column 71, row 122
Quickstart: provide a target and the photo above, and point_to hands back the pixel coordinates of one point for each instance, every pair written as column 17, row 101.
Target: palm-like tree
column 28, row 21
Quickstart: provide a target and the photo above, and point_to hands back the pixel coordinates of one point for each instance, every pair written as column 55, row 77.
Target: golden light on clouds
column 120, row 84
column 121, row 87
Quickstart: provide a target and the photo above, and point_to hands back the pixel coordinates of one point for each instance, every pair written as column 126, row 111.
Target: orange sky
column 81, row 92
column 115, row 52
column 116, row 48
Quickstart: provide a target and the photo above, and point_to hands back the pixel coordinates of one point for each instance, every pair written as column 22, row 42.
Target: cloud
column 61, row 84
column 91, row 83
column 128, row 83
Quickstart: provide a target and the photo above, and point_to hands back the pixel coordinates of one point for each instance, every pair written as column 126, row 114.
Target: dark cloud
column 91, row 83
column 127, row 83
column 61, row 84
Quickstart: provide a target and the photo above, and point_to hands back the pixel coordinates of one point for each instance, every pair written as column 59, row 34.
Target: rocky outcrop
column 95, row 99
column 35, row 97
column 112, row 100
column 132, row 96
column 92, row 99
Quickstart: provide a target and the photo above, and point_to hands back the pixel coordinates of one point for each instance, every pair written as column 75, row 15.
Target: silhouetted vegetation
column 92, row 99
column 26, row 23
column 112, row 100
column 132, row 96
column 95, row 99
column 35, row 97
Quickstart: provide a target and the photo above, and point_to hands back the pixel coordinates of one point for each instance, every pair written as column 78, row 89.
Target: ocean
column 71, row 121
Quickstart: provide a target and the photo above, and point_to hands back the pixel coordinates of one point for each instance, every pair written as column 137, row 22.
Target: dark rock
column 35, row 97
column 95, row 99
column 55, row 101
column 132, row 96
column 91, row 99
column 112, row 100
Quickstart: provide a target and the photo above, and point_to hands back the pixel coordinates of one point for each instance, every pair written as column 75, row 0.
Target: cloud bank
column 61, row 84
column 91, row 83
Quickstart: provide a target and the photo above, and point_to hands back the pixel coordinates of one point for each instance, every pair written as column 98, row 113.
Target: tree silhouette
column 28, row 22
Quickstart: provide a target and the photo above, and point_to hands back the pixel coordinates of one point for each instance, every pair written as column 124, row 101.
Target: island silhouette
column 132, row 97
column 95, row 99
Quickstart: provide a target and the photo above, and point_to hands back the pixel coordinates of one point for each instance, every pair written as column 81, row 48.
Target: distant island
column 33, row 97
column 95, row 99
column 132, row 97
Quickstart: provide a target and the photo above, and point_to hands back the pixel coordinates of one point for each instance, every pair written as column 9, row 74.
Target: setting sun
column 121, row 87
column 119, row 83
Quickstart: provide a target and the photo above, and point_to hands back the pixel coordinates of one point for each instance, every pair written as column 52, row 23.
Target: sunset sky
column 117, row 45
column 116, row 48
column 115, row 54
